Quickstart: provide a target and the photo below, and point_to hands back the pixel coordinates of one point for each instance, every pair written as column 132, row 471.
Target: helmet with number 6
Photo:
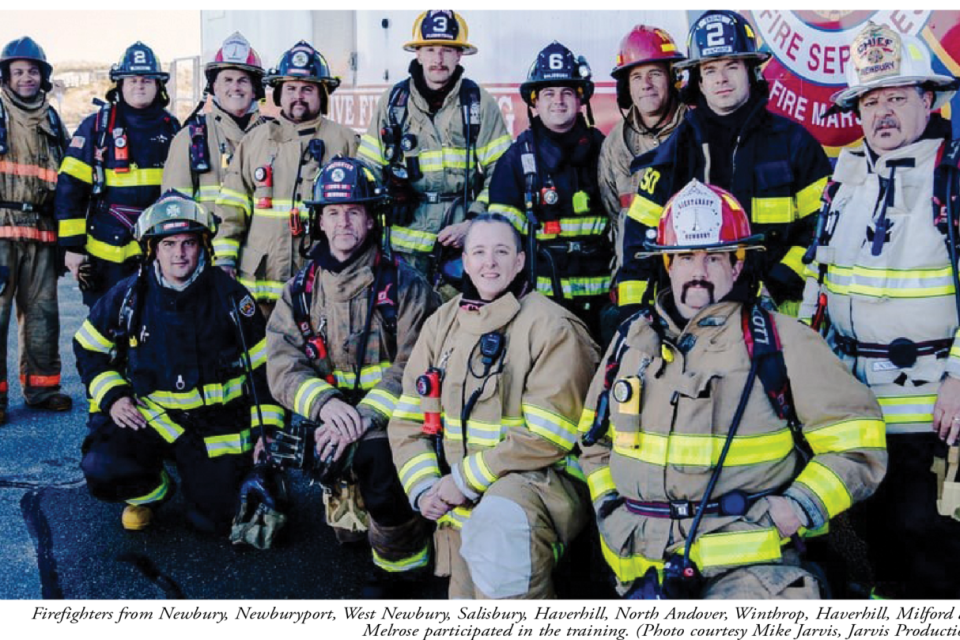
column 556, row 66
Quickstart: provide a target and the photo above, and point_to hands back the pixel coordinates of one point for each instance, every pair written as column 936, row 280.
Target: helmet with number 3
column 440, row 28
column 721, row 34
column 702, row 217
column 556, row 66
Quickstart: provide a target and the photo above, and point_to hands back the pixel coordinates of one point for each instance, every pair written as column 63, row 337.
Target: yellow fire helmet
column 440, row 28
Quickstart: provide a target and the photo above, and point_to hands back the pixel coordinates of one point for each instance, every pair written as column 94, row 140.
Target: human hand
column 453, row 235
column 342, row 417
column 125, row 414
column 946, row 412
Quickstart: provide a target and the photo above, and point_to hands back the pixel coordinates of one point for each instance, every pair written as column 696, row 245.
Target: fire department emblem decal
column 299, row 59
column 247, row 307
column 337, row 175
column 173, row 210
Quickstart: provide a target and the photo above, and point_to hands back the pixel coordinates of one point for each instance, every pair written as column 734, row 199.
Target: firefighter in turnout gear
column 201, row 152
column 771, row 164
column 32, row 144
column 112, row 172
column 165, row 356
column 883, row 286
column 704, row 459
column 366, row 310
column 652, row 110
column 436, row 138
column 264, row 221
column 549, row 177
column 484, row 433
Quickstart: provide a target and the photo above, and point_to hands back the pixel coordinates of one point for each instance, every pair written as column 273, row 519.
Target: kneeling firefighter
column 338, row 341
column 172, row 358
column 705, row 461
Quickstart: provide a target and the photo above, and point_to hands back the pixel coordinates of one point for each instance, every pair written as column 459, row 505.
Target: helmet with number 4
column 702, row 217
column 556, row 66
column 440, row 28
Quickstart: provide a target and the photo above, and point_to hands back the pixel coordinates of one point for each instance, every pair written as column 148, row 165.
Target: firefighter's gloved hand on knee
column 260, row 517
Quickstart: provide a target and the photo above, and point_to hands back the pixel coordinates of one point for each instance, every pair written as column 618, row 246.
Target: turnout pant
column 30, row 280
column 514, row 537
column 126, row 465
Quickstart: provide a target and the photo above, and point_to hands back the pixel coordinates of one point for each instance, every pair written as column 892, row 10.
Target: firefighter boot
column 136, row 517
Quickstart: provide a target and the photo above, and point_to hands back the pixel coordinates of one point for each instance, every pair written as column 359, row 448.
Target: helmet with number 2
column 721, row 34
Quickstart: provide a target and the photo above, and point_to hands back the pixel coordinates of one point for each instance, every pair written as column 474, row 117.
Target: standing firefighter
column 338, row 341
column 112, row 172
column 769, row 163
column 202, row 150
column 166, row 356
column 548, row 179
column 436, row 136
column 483, row 435
column 652, row 110
column 885, row 281
column 704, row 459
column 261, row 202
column 32, row 144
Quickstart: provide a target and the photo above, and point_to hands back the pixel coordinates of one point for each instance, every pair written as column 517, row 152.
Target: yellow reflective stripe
column 890, row 283
column 238, row 199
column 158, row 419
column 484, row 434
column 484, row 196
column 382, row 401
column 827, row 486
column 280, row 210
column 646, row 212
column 455, row 518
column 574, row 287
column 847, row 435
column 72, row 227
column 417, row 468
column 182, row 400
column 262, row 290
column 222, row 393
column 600, row 482
column 586, row 420
column 306, row 395
column 405, row 239
column 157, row 494
column 808, row 198
column 370, row 376
column 517, row 217
column 737, row 548
column 703, row 450
column 258, row 354
column 441, row 159
column 272, row 415
column 78, row 169
column 631, row 292
column 709, row 551
column 550, row 426
column 92, row 340
column 371, row 149
column 794, row 260
column 476, row 473
column 575, row 227
column 134, row 177
column 493, row 150
column 772, row 210
column 230, row 444
column 410, row 563
column 111, row 253
column 570, row 465
column 226, row 248
column 408, row 408
column 103, row 383
column 907, row 409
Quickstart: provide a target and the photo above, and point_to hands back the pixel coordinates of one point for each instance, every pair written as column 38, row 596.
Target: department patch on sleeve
column 247, row 306
column 77, row 142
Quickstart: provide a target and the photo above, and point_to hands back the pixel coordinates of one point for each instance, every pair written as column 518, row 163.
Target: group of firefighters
column 485, row 349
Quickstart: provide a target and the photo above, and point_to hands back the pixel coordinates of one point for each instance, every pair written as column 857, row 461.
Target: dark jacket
column 129, row 187
column 776, row 169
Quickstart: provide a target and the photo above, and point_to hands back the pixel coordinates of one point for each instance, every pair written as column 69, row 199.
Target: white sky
column 102, row 35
